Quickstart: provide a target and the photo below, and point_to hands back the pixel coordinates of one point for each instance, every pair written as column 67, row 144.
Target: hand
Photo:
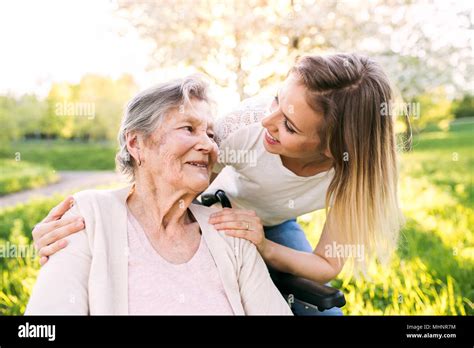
column 241, row 224
column 48, row 234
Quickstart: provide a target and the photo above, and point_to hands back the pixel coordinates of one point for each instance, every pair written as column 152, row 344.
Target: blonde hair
column 351, row 91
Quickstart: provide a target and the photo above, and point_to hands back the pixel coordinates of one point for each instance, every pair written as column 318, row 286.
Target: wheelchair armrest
column 322, row 296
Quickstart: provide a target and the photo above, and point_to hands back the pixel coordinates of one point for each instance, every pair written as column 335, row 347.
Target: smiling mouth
column 270, row 138
column 198, row 164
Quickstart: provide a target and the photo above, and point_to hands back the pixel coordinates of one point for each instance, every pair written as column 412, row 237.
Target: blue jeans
column 290, row 234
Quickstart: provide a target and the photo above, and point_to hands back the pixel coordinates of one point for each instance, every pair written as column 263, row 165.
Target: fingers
column 44, row 228
column 227, row 211
column 43, row 260
column 52, row 248
column 62, row 228
column 59, row 210
column 234, row 225
column 255, row 237
column 234, row 215
column 240, row 234
column 239, row 223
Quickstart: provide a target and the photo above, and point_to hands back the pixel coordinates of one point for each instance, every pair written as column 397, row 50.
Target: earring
column 139, row 160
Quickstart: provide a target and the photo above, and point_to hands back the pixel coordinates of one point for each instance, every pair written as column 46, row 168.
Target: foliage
column 18, row 274
column 91, row 109
column 431, row 273
column 464, row 107
column 434, row 108
column 68, row 155
column 247, row 45
column 20, row 175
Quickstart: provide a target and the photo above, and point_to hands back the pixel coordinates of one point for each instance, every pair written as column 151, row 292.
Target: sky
column 61, row 40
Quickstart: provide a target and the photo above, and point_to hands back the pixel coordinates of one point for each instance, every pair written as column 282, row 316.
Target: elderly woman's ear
column 134, row 144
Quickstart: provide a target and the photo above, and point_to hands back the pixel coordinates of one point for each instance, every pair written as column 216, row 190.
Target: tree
column 464, row 107
column 28, row 113
column 437, row 109
column 54, row 121
column 225, row 40
column 252, row 44
column 10, row 129
column 91, row 109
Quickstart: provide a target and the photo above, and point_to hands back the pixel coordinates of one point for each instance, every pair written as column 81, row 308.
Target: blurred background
column 67, row 68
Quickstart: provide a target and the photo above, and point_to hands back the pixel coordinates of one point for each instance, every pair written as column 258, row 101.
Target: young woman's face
column 291, row 128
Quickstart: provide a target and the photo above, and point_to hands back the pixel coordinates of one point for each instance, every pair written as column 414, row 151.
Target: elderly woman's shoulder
column 102, row 196
column 236, row 245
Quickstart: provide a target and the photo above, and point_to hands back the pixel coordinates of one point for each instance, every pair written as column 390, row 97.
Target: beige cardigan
column 90, row 275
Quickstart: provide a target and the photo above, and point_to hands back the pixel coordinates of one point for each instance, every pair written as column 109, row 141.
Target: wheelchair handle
column 209, row 199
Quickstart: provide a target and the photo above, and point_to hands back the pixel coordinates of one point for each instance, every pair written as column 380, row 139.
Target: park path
column 69, row 182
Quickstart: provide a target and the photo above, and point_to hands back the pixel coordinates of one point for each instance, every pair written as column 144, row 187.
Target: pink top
column 156, row 286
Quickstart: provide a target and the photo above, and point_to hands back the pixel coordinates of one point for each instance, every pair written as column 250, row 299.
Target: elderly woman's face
column 182, row 150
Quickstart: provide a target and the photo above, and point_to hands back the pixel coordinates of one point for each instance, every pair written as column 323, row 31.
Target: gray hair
column 145, row 112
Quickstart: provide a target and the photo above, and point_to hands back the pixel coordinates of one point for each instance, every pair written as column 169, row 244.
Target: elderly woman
column 147, row 249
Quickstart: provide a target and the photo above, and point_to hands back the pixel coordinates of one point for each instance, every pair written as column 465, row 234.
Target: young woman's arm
column 320, row 265
column 49, row 235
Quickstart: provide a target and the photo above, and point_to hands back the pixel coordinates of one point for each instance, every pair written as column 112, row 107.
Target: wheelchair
column 294, row 289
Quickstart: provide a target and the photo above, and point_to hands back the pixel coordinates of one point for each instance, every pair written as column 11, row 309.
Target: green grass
column 20, row 175
column 40, row 159
column 18, row 274
column 432, row 271
column 67, row 155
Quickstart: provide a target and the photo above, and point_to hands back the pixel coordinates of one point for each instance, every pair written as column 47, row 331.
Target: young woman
column 323, row 142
